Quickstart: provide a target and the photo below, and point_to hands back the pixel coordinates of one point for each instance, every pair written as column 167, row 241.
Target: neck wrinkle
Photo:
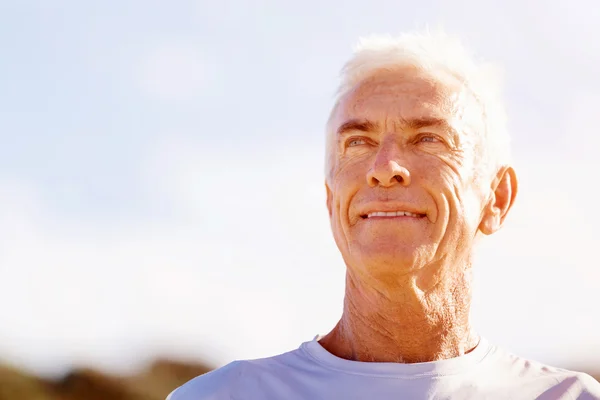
column 405, row 323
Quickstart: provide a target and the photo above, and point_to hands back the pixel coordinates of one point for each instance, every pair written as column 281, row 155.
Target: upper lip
column 367, row 209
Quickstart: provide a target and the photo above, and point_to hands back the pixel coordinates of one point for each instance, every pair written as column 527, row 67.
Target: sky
column 161, row 176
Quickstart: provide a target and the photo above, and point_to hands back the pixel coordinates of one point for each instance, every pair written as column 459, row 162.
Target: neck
column 411, row 320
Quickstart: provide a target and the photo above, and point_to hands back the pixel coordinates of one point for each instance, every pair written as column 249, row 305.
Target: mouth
column 391, row 214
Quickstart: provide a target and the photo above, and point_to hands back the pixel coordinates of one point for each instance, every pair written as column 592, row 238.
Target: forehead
column 403, row 94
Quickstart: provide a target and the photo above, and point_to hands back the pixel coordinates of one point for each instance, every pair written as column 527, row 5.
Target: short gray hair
column 437, row 54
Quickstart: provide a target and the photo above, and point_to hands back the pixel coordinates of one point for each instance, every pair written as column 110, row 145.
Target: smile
column 392, row 214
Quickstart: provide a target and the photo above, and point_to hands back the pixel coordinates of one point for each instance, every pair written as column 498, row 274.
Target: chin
column 388, row 257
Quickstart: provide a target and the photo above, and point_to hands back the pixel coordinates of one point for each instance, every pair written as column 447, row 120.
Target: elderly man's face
column 402, row 192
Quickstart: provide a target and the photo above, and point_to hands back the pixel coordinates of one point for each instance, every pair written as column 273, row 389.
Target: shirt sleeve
column 590, row 389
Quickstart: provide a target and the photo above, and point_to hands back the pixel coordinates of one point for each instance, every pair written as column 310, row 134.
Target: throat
column 361, row 342
column 408, row 328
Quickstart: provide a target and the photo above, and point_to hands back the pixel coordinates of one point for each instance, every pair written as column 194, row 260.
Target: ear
column 504, row 190
column 329, row 198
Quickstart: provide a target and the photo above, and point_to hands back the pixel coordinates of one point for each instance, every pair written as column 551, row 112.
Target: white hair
column 438, row 55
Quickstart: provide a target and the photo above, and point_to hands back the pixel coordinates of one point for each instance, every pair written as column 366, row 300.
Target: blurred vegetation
column 154, row 383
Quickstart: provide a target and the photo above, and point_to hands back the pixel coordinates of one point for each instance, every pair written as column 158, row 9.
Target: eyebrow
column 418, row 123
column 365, row 125
column 362, row 125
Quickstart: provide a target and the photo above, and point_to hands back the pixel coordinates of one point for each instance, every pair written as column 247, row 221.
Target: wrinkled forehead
column 407, row 94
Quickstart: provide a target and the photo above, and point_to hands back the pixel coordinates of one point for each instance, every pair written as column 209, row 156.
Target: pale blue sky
column 161, row 175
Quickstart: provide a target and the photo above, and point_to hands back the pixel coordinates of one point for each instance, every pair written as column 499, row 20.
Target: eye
column 353, row 142
column 428, row 138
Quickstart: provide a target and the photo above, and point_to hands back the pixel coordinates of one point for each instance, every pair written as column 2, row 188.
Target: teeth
column 391, row 214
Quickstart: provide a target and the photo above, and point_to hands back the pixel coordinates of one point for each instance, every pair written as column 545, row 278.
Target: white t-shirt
column 311, row 373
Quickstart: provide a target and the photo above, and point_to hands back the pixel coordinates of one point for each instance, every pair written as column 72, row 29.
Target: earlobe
column 489, row 223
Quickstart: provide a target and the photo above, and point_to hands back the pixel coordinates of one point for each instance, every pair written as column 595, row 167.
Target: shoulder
column 552, row 382
column 239, row 379
column 572, row 385
column 215, row 385
column 580, row 385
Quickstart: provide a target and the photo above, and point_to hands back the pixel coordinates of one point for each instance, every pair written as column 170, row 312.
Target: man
column 417, row 171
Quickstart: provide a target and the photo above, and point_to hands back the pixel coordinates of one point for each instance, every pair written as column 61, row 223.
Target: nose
column 387, row 170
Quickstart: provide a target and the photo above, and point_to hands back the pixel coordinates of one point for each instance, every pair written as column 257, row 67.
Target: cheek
column 346, row 181
column 351, row 165
column 338, row 217
column 342, row 194
column 349, row 176
column 463, row 199
column 442, row 176
column 450, row 186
